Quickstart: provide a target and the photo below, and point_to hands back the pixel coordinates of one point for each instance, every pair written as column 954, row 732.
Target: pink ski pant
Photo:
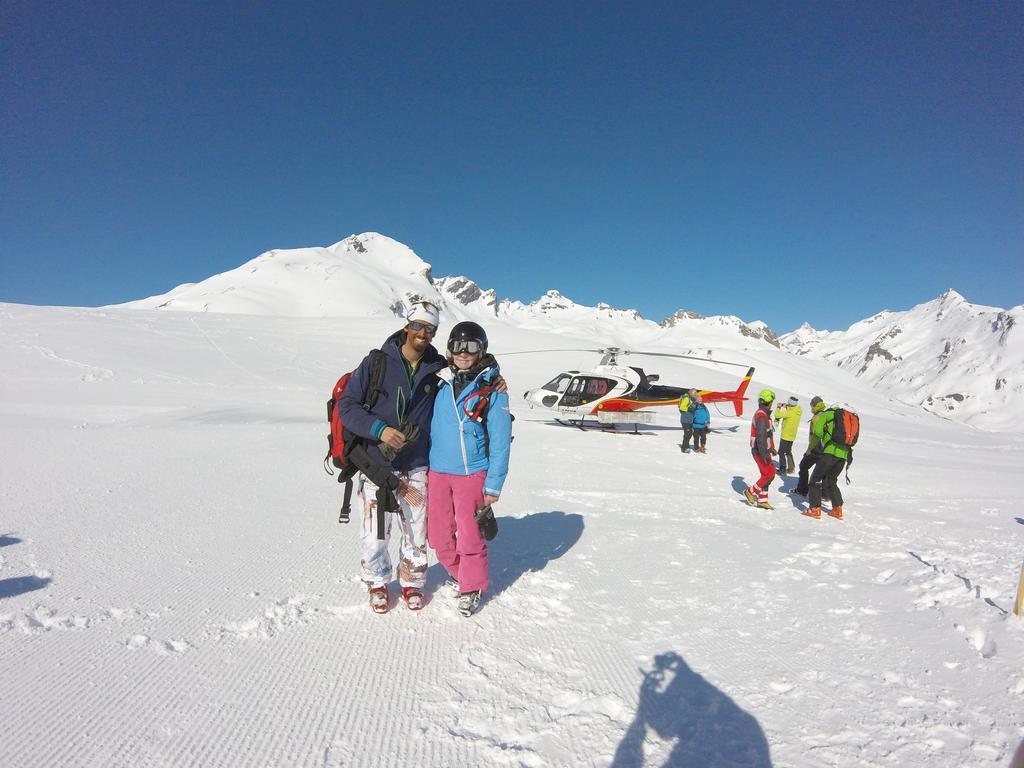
column 452, row 530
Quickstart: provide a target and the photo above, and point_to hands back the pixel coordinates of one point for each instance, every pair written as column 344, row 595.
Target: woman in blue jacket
column 470, row 438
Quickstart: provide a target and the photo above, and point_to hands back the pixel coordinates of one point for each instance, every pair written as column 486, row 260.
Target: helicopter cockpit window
column 586, row 389
column 558, row 384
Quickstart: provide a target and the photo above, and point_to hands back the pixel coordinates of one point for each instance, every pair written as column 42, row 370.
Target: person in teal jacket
column 831, row 460
column 470, row 442
column 701, row 425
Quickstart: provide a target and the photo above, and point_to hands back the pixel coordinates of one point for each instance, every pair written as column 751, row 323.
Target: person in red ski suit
column 762, row 447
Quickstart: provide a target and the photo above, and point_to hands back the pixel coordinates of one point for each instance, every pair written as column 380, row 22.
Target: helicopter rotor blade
column 691, row 357
column 618, row 351
column 535, row 351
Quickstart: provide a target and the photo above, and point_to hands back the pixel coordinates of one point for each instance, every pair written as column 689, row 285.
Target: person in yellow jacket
column 789, row 414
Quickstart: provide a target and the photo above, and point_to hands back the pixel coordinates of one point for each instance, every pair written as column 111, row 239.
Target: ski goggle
column 416, row 325
column 472, row 346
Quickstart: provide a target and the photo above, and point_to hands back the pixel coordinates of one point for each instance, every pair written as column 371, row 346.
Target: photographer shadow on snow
column 708, row 728
column 526, row 544
column 21, row 584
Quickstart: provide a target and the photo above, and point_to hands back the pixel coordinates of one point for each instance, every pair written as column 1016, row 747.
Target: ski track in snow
column 169, row 600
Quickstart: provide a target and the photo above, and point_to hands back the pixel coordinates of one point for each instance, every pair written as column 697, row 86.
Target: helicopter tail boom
column 737, row 398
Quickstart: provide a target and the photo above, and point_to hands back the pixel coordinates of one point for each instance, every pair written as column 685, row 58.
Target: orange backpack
column 845, row 428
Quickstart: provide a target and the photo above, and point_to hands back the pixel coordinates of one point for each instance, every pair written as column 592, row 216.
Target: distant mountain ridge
column 947, row 355
column 371, row 275
column 951, row 357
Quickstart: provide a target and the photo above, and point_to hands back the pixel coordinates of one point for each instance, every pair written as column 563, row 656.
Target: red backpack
column 341, row 441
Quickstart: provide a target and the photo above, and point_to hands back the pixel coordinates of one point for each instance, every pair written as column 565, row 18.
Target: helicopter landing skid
column 584, row 427
column 573, row 423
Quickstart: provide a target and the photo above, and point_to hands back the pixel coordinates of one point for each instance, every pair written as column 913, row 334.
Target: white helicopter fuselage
column 616, row 393
column 574, row 394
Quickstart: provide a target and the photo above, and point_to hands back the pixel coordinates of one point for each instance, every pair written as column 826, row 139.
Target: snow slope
column 175, row 590
column 952, row 357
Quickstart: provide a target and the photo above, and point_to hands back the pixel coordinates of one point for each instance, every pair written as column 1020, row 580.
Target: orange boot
column 814, row 512
column 836, row 512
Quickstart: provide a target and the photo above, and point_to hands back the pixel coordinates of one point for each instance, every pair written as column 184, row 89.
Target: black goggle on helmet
column 468, row 337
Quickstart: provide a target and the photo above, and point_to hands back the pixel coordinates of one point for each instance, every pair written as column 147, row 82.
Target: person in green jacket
column 831, row 460
column 789, row 414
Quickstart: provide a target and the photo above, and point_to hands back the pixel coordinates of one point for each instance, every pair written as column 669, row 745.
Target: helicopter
column 621, row 394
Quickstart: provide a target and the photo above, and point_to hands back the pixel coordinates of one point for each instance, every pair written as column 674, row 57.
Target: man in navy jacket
column 397, row 443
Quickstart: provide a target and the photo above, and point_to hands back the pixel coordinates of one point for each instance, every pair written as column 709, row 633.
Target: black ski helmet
column 467, row 330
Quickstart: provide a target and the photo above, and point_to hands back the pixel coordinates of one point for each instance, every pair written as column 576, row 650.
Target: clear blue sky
column 757, row 159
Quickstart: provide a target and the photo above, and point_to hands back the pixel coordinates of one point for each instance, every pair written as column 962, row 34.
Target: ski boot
column 764, row 505
column 751, row 496
column 451, row 588
column 814, row 512
column 836, row 512
column 469, row 602
column 413, row 598
column 379, row 599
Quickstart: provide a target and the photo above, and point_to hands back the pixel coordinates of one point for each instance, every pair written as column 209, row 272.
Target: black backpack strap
column 386, row 502
column 378, row 365
column 346, row 504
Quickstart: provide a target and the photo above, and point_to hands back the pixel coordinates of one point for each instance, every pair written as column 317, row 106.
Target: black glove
column 485, row 519
column 411, row 430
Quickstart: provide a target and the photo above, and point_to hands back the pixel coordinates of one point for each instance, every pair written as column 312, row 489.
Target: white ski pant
column 412, row 550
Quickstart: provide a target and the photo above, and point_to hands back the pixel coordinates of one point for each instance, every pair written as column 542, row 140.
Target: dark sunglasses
column 471, row 346
column 416, row 325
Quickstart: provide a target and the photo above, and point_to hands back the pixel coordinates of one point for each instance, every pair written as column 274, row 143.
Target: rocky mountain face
column 952, row 357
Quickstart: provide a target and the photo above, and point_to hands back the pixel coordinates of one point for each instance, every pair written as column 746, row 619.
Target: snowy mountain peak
column 363, row 275
column 680, row 316
column 370, row 274
column 464, row 292
column 553, row 300
column 952, row 357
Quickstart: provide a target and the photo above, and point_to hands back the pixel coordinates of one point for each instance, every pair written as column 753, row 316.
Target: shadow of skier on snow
column 709, row 729
column 739, row 484
column 21, row 584
column 526, row 544
column 6, row 540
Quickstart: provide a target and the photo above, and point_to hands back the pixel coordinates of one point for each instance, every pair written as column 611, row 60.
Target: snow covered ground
column 175, row 589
